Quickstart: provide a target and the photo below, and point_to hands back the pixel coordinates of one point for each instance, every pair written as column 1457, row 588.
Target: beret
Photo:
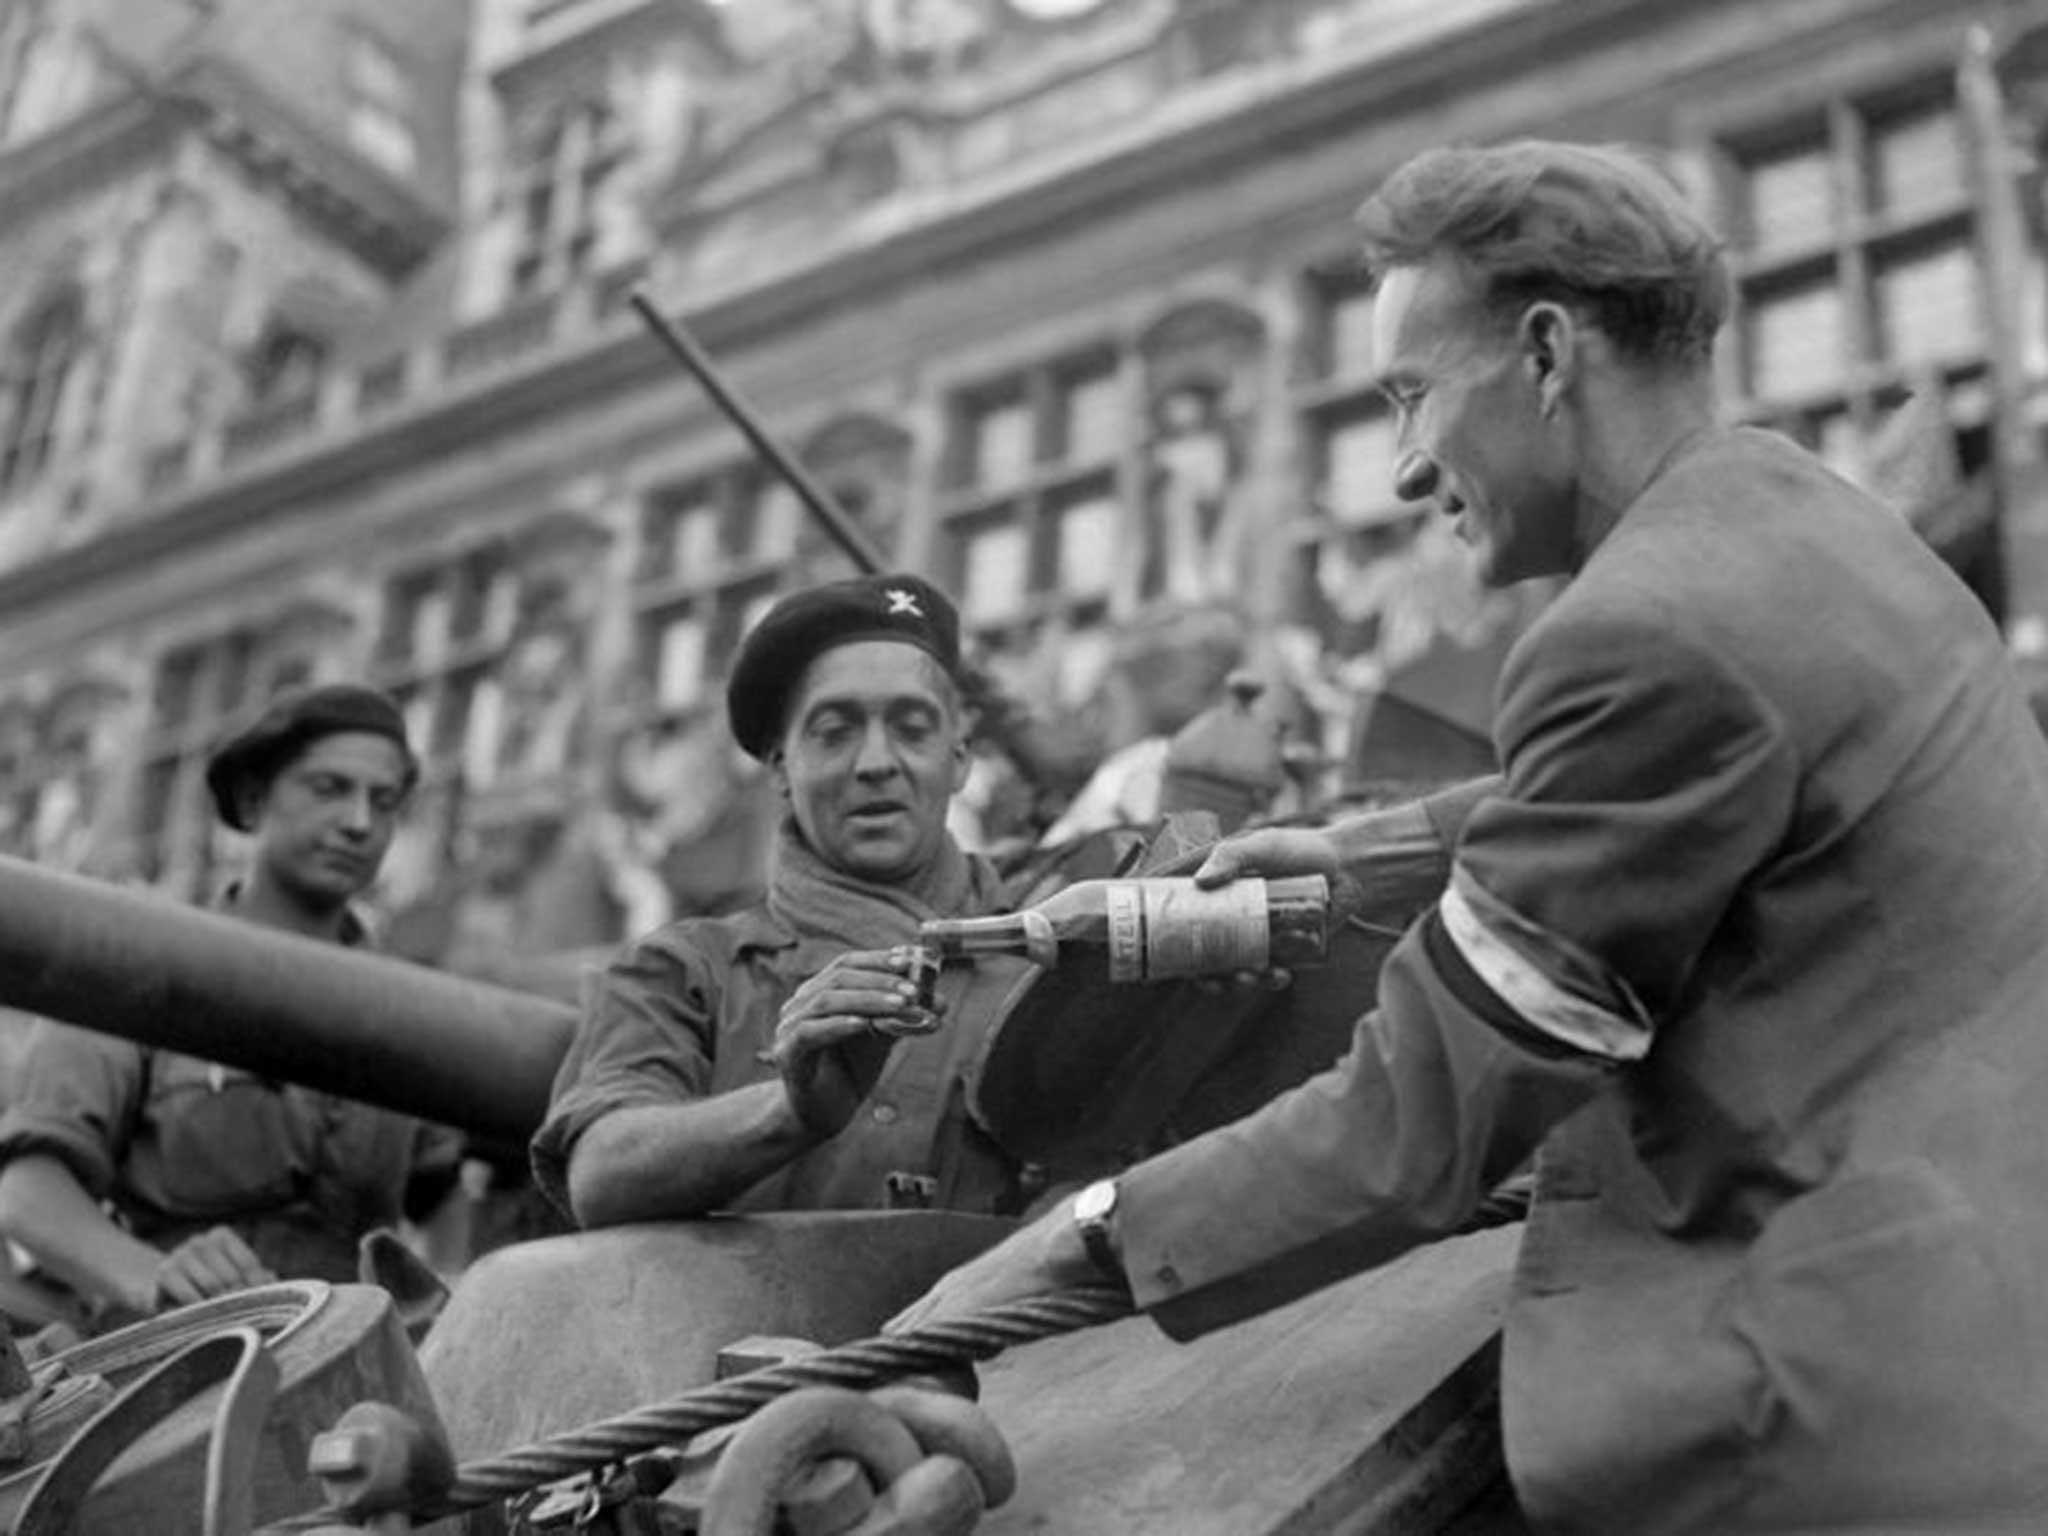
column 288, row 725
column 805, row 624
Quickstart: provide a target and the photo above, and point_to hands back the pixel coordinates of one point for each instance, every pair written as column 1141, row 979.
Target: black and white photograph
column 1028, row 767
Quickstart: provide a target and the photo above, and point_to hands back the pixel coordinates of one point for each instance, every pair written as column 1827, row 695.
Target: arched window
column 558, row 184
column 285, row 363
column 39, row 362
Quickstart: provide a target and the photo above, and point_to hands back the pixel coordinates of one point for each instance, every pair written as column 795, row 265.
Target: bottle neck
column 1028, row 933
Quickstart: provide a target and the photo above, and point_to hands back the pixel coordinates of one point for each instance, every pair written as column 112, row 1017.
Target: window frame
column 234, row 670
column 1845, row 113
column 439, row 673
column 45, row 348
column 388, row 96
column 1049, row 487
column 561, row 163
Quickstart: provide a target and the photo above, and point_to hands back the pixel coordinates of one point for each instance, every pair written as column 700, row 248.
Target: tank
column 1370, row 1407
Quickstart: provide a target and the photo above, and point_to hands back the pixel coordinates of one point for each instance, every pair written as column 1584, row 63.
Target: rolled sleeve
column 646, row 1036
column 77, row 1099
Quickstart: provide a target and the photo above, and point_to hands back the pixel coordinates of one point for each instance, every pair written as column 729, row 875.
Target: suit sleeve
column 1450, row 809
column 646, row 1036
column 1644, row 784
column 1394, row 862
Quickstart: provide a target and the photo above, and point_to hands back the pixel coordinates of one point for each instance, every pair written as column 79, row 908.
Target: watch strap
column 1101, row 1250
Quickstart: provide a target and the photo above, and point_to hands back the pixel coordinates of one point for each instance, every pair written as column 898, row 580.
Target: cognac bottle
column 1150, row 929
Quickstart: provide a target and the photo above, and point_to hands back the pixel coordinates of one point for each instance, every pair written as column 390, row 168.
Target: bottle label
column 1126, row 931
column 1161, row 928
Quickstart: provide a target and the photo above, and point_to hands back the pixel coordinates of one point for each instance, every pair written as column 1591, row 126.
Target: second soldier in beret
column 146, row 1178
column 778, row 1058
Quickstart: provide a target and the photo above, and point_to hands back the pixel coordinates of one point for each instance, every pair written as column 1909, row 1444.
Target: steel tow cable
column 863, row 1363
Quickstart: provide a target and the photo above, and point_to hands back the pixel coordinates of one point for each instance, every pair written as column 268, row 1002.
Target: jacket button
column 1168, row 1276
column 885, row 1114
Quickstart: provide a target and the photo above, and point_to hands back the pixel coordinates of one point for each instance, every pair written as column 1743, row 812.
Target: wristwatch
column 1094, row 1210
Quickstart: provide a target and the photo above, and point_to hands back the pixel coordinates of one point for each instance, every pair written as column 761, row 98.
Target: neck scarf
column 847, row 912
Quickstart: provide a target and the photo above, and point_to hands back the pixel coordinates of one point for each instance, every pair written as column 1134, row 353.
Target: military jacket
column 685, row 1013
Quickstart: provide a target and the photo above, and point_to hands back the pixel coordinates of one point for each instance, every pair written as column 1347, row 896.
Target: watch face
column 1096, row 1201
column 1055, row 10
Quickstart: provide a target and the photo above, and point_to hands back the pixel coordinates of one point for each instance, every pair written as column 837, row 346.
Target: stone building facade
column 202, row 211
column 318, row 361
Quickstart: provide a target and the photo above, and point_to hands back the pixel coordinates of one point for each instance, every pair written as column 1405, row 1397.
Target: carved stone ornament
column 76, row 749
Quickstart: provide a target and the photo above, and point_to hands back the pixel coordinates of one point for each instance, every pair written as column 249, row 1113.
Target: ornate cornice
column 836, row 108
column 384, row 220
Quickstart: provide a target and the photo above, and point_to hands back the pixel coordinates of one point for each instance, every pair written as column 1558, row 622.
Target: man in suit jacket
column 1751, row 941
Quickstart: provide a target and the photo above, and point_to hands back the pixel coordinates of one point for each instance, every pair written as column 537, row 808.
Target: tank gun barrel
column 129, row 963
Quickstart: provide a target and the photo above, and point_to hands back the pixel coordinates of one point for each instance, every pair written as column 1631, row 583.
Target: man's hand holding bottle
column 1275, row 852
column 1384, row 867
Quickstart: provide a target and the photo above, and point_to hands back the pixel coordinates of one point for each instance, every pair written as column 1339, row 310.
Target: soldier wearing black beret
column 779, row 1058
column 218, row 1179
column 907, row 609
column 243, row 766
